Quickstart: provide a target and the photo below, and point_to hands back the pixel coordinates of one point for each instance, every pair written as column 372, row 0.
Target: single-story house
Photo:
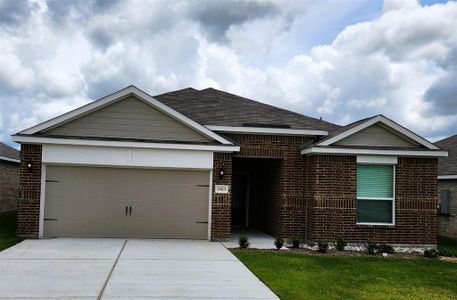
column 196, row 163
column 447, row 188
column 9, row 177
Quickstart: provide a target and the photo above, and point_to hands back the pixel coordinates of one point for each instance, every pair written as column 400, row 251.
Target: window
column 375, row 194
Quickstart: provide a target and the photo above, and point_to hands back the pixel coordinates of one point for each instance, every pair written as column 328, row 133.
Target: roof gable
column 117, row 96
column 128, row 118
column 385, row 133
column 377, row 135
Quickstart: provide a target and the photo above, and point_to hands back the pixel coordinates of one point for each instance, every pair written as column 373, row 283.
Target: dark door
column 239, row 200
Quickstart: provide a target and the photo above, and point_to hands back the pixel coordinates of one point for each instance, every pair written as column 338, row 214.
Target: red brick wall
column 221, row 203
column 331, row 202
column 29, row 191
column 9, row 183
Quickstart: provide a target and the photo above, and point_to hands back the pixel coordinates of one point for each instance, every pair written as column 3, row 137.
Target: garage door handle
column 126, row 210
column 130, row 210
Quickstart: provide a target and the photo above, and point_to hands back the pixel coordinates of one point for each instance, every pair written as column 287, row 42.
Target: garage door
column 113, row 202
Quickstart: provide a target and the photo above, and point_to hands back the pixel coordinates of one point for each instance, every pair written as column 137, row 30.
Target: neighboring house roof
column 214, row 107
column 8, row 153
column 448, row 165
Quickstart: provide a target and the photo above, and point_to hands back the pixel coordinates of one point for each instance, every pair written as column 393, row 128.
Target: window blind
column 375, row 181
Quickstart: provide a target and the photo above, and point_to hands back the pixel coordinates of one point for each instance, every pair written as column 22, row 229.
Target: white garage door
column 114, row 202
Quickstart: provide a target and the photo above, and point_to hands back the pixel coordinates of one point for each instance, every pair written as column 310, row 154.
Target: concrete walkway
column 257, row 239
column 67, row 268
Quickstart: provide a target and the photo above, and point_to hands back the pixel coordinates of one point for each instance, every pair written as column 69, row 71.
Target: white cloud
column 401, row 64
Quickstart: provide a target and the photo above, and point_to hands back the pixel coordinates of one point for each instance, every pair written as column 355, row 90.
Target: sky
column 339, row 60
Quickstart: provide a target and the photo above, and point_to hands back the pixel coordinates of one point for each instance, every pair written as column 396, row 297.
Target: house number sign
column 221, row 189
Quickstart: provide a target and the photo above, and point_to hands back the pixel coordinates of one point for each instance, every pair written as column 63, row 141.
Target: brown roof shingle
column 448, row 165
column 8, row 151
column 214, row 107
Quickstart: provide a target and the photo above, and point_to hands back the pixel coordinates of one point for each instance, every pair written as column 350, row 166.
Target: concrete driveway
column 67, row 268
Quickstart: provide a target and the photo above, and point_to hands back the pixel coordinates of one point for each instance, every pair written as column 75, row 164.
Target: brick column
column 221, row 203
column 29, row 191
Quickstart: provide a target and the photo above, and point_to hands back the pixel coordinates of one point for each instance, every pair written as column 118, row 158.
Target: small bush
column 323, row 246
column 340, row 244
column 444, row 252
column 295, row 243
column 279, row 242
column 243, row 241
column 372, row 248
column 384, row 248
column 431, row 253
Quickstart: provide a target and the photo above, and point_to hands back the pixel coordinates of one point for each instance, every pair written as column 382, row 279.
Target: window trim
column 380, row 198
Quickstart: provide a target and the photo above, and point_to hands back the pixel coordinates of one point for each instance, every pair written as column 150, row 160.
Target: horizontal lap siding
column 128, row 118
column 375, row 136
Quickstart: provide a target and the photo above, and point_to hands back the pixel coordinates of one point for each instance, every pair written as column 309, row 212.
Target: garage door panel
column 91, row 201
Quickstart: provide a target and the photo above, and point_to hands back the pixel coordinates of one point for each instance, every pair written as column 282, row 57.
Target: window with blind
column 375, row 194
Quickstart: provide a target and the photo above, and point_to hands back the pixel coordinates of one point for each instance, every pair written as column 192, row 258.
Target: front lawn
column 300, row 276
column 8, row 236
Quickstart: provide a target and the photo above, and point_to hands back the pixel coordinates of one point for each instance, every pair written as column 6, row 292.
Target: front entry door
column 240, row 200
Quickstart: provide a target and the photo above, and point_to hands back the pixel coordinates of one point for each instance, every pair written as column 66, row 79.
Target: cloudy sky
column 342, row 60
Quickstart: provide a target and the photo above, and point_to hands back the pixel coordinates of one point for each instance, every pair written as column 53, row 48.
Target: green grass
column 8, row 236
column 298, row 276
column 448, row 243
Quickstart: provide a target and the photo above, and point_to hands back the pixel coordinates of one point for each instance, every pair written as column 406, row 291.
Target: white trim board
column 103, row 143
column 127, row 157
column 130, row 90
column 5, row 158
column 352, row 151
column 268, row 130
column 383, row 120
column 447, row 177
column 377, row 159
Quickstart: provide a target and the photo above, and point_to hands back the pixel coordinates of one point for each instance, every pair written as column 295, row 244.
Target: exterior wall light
column 221, row 172
column 29, row 166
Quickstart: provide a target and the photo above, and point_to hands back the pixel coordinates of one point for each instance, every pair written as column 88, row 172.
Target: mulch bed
column 309, row 252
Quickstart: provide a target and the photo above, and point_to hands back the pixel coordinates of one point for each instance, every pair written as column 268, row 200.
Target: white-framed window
column 376, row 194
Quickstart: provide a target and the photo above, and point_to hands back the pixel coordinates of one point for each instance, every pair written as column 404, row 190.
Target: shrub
column 340, row 244
column 243, row 241
column 444, row 252
column 279, row 242
column 384, row 248
column 372, row 248
column 431, row 253
column 323, row 246
column 295, row 243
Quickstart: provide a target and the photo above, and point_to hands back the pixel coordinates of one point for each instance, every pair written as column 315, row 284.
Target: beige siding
column 92, row 201
column 129, row 118
column 376, row 136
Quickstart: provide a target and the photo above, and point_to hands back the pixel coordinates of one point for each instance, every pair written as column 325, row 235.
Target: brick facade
column 29, row 191
column 221, row 203
column 314, row 197
column 9, row 184
column 331, row 202
column 447, row 224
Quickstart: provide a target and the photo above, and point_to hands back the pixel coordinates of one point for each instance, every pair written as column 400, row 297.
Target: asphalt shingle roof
column 214, row 107
column 8, row 151
column 448, row 165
